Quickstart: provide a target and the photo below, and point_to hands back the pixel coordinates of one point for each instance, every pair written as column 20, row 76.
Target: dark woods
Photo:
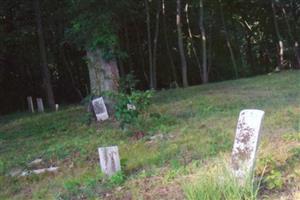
column 44, row 44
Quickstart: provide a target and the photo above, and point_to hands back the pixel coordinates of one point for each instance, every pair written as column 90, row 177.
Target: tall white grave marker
column 40, row 105
column 246, row 143
column 30, row 104
column 109, row 160
column 100, row 109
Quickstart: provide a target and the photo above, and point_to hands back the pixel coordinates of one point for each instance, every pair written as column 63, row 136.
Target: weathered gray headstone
column 109, row 160
column 40, row 105
column 30, row 104
column 100, row 109
column 246, row 143
column 56, row 107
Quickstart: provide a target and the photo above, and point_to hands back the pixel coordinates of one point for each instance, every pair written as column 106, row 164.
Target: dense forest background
column 165, row 44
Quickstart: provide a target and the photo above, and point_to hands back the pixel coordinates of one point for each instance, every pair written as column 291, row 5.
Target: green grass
column 217, row 182
column 198, row 124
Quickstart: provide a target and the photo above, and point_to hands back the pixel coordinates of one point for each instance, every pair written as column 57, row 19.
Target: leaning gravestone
column 30, row 104
column 40, row 105
column 246, row 143
column 109, row 160
column 100, row 109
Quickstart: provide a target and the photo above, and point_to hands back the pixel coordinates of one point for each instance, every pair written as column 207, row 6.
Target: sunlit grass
column 216, row 181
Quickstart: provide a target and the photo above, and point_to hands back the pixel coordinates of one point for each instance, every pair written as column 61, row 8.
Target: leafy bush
column 127, row 83
column 130, row 103
column 137, row 99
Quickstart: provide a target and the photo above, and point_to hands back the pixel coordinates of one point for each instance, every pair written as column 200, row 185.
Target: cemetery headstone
column 56, row 107
column 109, row 160
column 30, row 104
column 100, row 109
column 40, row 105
column 246, row 143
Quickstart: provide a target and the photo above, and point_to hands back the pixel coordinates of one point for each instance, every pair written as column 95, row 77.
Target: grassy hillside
column 194, row 128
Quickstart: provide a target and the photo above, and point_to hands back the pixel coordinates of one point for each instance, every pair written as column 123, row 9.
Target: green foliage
column 72, row 186
column 117, row 179
column 273, row 180
column 130, row 103
column 127, row 83
column 272, row 177
column 93, row 29
column 2, row 167
column 292, row 137
column 84, row 186
column 140, row 100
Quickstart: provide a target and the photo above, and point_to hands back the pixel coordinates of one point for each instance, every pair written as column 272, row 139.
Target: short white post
column 40, row 105
column 246, row 143
column 109, row 160
column 30, row 104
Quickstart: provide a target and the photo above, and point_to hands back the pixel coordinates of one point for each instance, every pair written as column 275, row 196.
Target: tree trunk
column 192, row 41
column 233, row 60
column 149, row 44
column 127, row 43
column 280, row 42
column 141, row 52
column 249, row 53
column 294, row 42
column 297, row 52
column 155, row 45
column 121, row 67
column 204, row 52
column 104, row 75
column 209, row 51
column 180, row 45
column 173, row 68
column 68, row 67
column 43, row 55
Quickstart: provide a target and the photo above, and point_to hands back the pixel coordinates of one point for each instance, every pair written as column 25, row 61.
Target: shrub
column 140, row 100
column 127, row 96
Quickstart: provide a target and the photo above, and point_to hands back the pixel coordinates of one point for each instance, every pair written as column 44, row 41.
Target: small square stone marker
column 109, row 160
column 246, row 143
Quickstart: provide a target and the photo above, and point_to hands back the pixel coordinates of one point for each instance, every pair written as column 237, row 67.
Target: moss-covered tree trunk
column 104, row 74
column 43, row 56
column 181, row 46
